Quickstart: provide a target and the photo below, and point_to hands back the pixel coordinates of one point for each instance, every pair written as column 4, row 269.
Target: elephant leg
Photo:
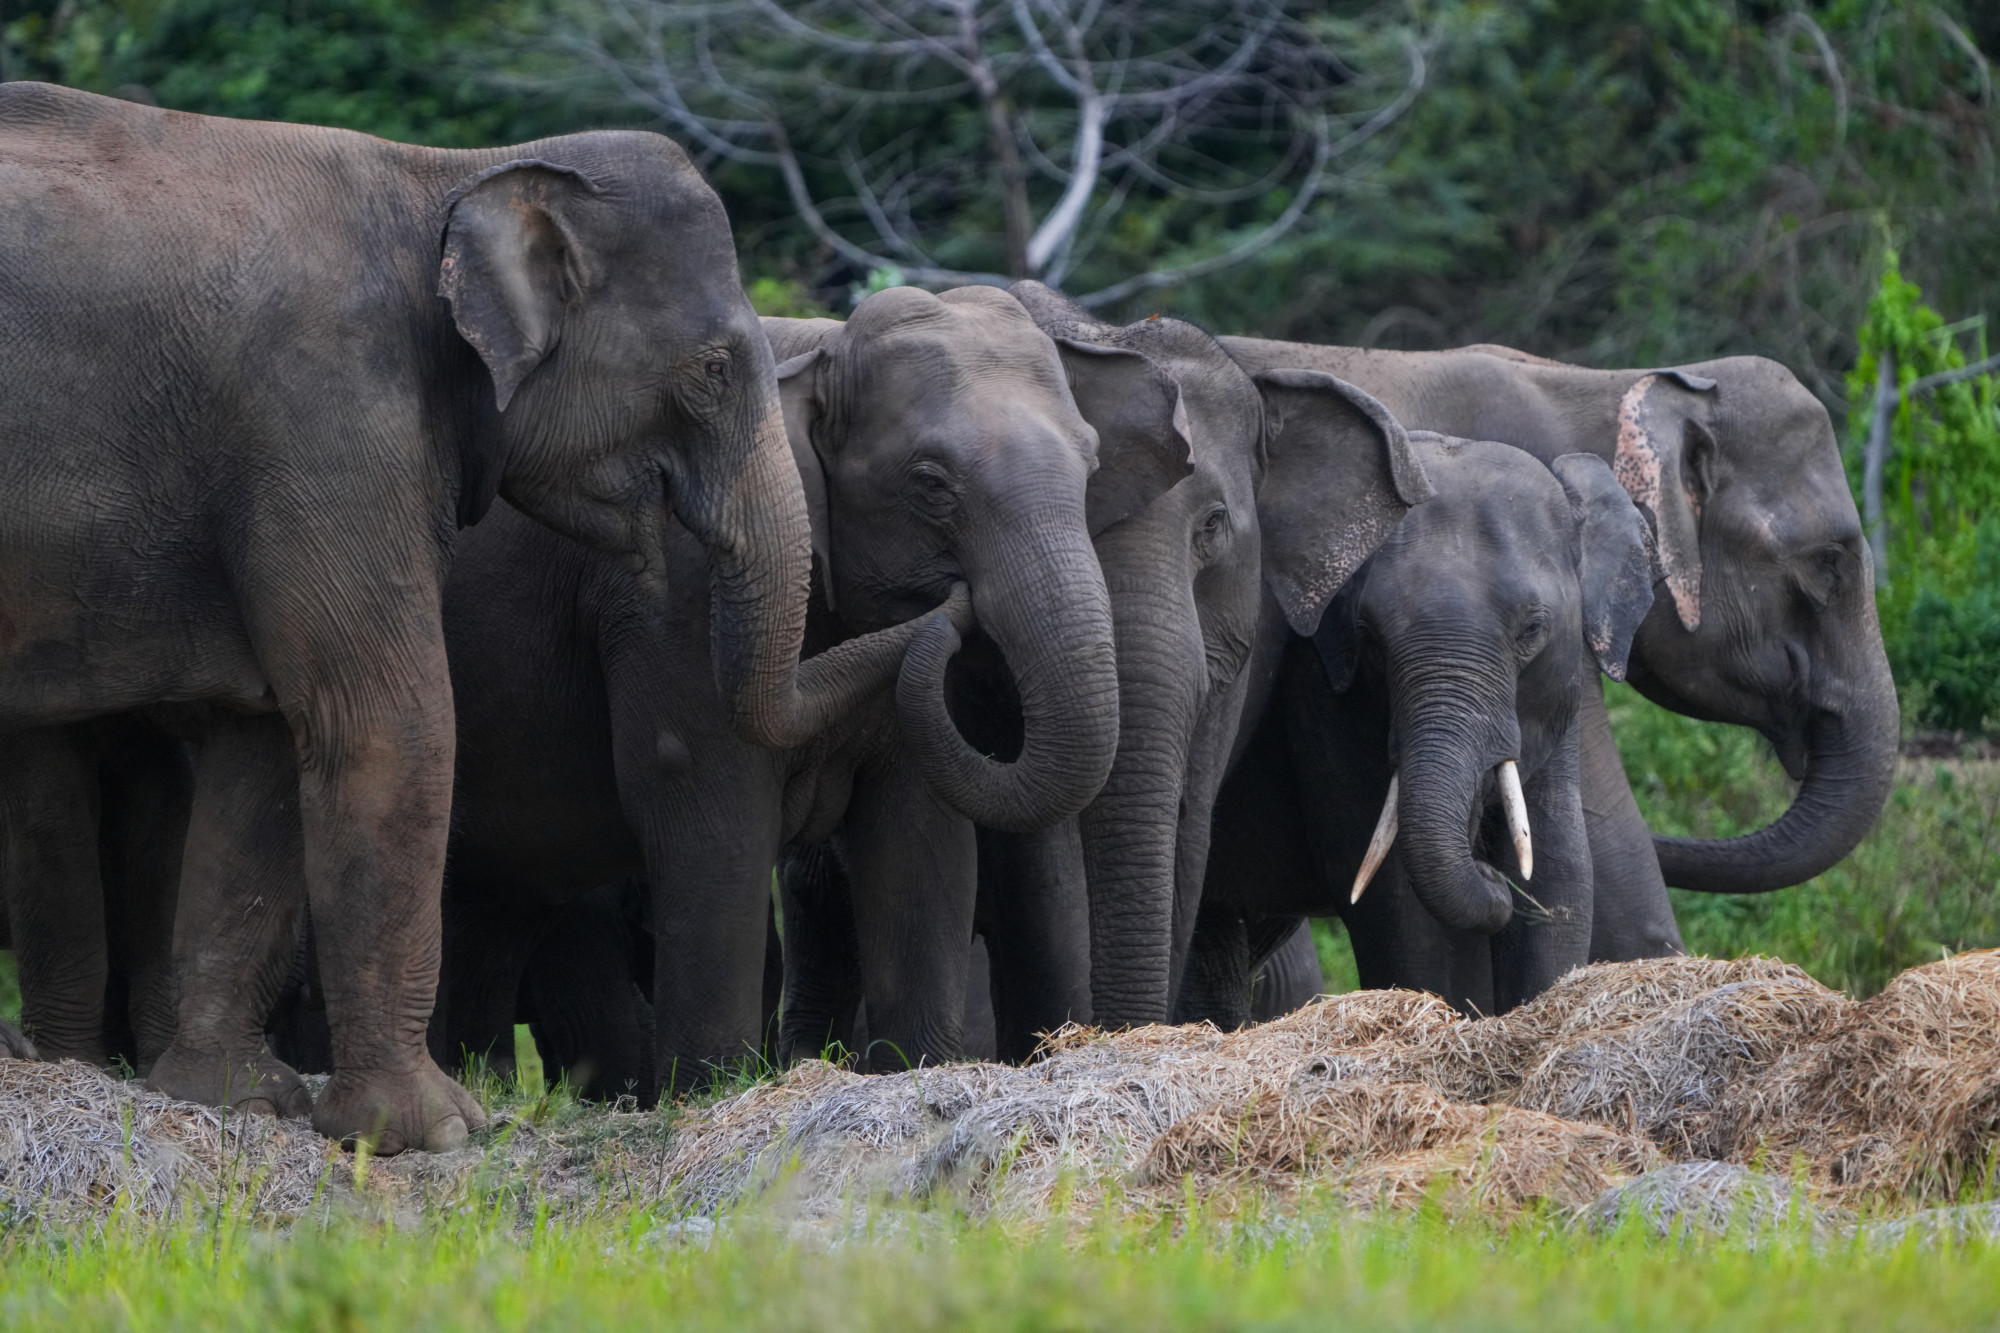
column 375, row 747
column 1289, row 979
column 822, row 955
column 55, row 889
column 981, row 1039
column 240, row 895
column 1037, row 934
column 1215, row 985
column 913, row 864
column 1551, row 935
column 1634, row 917
column 591, row 1024
column 146, row 781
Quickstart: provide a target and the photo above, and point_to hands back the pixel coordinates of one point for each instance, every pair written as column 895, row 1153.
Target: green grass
column 918, row 1272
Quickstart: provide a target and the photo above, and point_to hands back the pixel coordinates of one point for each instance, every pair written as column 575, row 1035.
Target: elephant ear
column 1144, row 442
column 512, row 264
column 799, row 393
column 1339, row 475
column 1612, row 566
column 1665, row 461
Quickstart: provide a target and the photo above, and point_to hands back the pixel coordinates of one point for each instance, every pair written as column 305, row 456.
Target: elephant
column 1296, row 479
column 1443, row 690
column 257, row 375
column 939, row 441
column 1766, row 617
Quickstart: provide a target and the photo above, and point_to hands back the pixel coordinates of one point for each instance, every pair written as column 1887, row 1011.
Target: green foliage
column 425, row 72
column 1926, row 881
column 787, row 298
column 1941, row 610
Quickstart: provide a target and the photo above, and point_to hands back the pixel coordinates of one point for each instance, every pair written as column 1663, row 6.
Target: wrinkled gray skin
column 1289, row 979
column 939, row 444
column 1296, row 480
column 255, row 375
column 1468, row 640
column 1765, row 613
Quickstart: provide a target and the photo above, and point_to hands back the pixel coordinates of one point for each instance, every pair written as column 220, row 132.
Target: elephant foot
column 14, row 1044
column 259, row 1085
column 421, row 1108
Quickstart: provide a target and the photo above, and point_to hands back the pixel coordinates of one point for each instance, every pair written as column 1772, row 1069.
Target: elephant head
column 1296, row 478
column 1480, row 620
column 1770, row 619
column 940, row 442
column 630, row 382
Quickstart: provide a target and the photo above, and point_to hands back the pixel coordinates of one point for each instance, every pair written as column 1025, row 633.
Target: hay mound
column 1392, row 1097
column 77, row 1144
column 1902, row 1097
column 1395, row 1145
column 1638, row 1089
column 1711, row 1197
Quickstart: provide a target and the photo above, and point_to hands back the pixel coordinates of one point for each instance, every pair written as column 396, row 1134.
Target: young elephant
column 939, row 443
column 1443, row 691
column 1767, row 612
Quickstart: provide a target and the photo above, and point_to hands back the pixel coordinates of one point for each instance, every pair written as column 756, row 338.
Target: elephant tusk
column 1378, row 846
column 1517, row 817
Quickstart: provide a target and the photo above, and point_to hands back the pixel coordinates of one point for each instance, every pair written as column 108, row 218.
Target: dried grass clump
column 1395, row 1145
column 1715, row 1198
column 1665, row 1074
column 1902, row 1098
column 77, row 1144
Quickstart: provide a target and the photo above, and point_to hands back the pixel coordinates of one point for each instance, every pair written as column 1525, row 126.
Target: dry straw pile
column 1637, row 1088
column 1390, row 1098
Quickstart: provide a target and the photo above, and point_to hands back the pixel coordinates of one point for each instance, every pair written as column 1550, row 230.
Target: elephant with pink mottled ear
column 1766, row 613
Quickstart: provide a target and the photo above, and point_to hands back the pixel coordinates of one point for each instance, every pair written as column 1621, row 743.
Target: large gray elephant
column 255, row 375
column 1297, row 478
column 1423, row 745
column 940, row 442
column 1766, row 613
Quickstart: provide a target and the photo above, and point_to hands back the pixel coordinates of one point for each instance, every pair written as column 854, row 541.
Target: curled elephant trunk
column 1451, row 746
column 1056, row 635
column 760, row 570
column 1850, row 765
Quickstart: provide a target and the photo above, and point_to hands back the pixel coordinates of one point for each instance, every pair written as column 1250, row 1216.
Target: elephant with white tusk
column 1416, row 769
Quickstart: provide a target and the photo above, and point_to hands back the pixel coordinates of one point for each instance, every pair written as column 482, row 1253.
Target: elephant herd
column 431, row 599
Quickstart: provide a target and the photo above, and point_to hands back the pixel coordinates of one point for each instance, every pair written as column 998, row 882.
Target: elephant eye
column 1209, row 535
column 716, row 367
column 1529, row 641
column 934, row 488
column 1820, row 573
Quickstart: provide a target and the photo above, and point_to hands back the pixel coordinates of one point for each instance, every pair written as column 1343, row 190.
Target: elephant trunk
column 1131, row 833
column 760, row 569
column 1850, row 764
column 1045, row 607
column 1456, row 729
